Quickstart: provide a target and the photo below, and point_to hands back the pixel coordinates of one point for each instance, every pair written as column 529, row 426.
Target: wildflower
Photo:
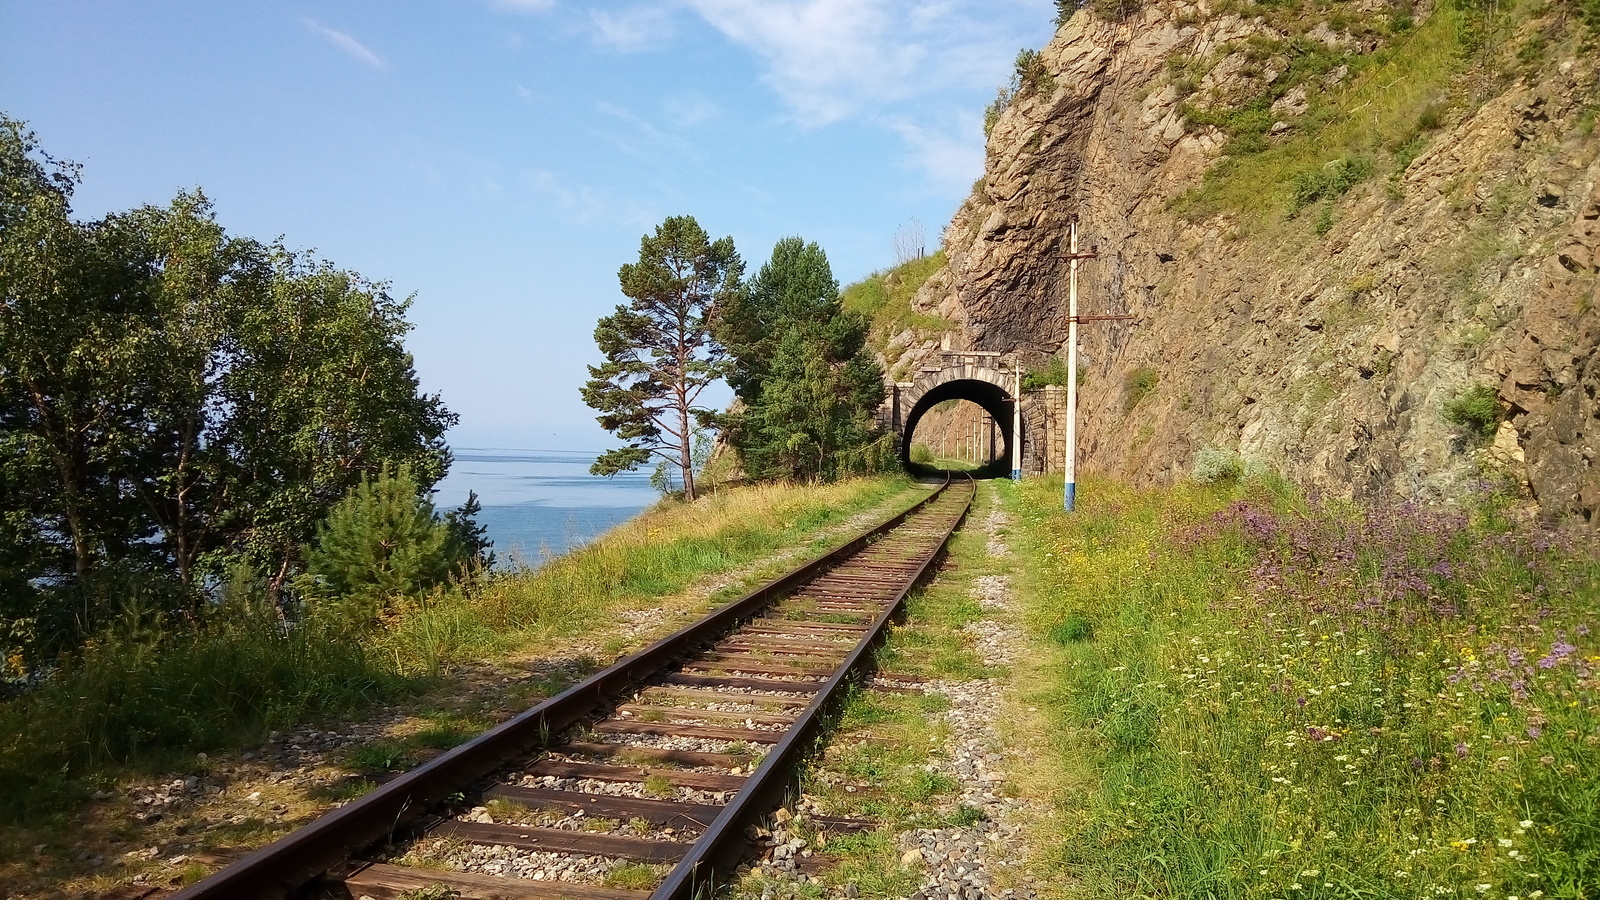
column 1534, row 731
column 1461, row 751
column 1462, row 844
column 1504, row 842
column 1480, row 888
column 1525, row 823
column 1311, row 873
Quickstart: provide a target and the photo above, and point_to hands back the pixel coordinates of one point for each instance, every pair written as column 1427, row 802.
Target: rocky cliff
column 1335, row 223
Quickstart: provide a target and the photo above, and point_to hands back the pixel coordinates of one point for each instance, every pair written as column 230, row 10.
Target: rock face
column 1326, row 345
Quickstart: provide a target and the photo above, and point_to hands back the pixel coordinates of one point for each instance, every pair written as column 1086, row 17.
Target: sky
column 499, row 160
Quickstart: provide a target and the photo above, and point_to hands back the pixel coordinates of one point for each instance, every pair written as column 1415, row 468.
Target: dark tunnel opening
column 992, row 399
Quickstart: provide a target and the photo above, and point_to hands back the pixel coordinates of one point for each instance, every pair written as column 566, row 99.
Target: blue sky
column 500, row 159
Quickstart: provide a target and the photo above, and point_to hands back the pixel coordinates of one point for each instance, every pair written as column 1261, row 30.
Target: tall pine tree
column 660, row 355
column 809, row 386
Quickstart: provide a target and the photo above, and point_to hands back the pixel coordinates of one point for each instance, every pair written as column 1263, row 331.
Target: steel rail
column 284, row 866
column 722, row 844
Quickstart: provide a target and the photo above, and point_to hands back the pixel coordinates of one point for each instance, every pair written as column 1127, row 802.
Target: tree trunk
column 686, row 455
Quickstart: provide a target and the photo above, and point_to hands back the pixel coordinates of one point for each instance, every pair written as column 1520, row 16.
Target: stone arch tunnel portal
column 992, row 398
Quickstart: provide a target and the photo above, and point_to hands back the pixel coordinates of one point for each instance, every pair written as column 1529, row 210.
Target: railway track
column 690, row 742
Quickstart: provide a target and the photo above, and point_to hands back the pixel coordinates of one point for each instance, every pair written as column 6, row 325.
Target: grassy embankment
column 884, row 298
column 141, row 700
column 1261, row 696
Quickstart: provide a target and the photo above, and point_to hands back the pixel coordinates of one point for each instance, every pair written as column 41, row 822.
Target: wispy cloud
column 646, row 140
column 583, row 205
column 346, row 43
column 523, row 6
column 644, row 27
column 950, row 156
column 829, row 59
column 688, row 110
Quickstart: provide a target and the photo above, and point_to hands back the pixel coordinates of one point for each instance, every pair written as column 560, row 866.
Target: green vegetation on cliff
column 885, row 299
column 1312, row 116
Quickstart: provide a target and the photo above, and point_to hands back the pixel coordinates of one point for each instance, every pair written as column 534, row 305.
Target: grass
column 885, row 299
column 1475, row 410
column 1273, row 697
column 142, row 700
column 655, row 555
column 1393, row 100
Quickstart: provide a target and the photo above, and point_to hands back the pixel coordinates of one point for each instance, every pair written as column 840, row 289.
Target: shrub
column 1054, row 372
column 381, row 542
column 1331, row 179
column 921, row 453
column 1476, row 409
column 1214, row 465
column 1141, row 382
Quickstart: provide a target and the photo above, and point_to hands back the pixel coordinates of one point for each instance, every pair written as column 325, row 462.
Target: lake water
column 538, row 503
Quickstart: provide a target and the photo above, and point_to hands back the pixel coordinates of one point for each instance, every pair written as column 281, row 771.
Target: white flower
column 1504, row 842
column 1311, row 873
column 1480, row 888
column 1526, row 823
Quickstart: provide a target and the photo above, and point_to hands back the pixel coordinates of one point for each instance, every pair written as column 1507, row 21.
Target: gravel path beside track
column 983, row 860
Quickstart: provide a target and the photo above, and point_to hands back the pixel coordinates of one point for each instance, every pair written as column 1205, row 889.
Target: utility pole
column 1070, row 466
column 1016, row 422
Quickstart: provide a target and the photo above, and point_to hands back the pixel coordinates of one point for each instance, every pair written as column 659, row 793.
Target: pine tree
column 660, row 355
column 809, row 385
column 381, row 542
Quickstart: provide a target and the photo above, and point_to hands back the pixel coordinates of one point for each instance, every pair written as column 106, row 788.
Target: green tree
column 383, row 541
column 174, row 400
column 660, row 354
column 809, row 386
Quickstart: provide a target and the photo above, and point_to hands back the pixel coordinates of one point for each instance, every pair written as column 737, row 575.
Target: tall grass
column 655, row 555
column 1393, row 100
column 885, row 299
column 142, row 696
column 145, row 697
column 1283, row 698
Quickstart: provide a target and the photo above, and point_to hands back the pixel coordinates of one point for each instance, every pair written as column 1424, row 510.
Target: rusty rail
column 331, row 842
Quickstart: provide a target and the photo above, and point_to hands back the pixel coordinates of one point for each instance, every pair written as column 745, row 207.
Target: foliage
column 175, row 401
column 1383, row 112
column 472, row 545
column 659, row 350
column 1383, row 701
column 1028, row 74
column 885, row 299
column 1476, row 409
column 1328, row 181
column 380, row 543
column 810, row 387
column 1214, row 465
column 1053, row 373
column 1140, row 383
column 144, row 691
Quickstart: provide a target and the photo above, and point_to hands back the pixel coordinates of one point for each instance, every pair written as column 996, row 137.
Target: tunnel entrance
column 966, row 429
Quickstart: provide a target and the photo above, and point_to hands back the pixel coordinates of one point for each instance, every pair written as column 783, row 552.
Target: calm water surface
column 537, row 503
